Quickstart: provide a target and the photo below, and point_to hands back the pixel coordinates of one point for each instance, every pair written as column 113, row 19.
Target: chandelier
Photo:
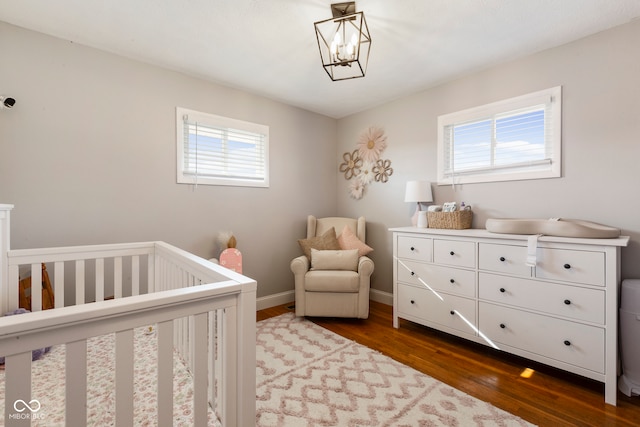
column 344, row 42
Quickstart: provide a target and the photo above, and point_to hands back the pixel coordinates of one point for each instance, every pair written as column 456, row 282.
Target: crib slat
column 117, row 277
column 151, row 276
column 187, row 279
column 169, row 276
column 230, row 364
column 200, row 413
column 80, row 282
column 58, row 283
column 192, row 338
column 124, row 378
column 215, row 360
column 13, row 290
column 157, row 274
column 36, row 287
column 100, row 279
column 76, row 383
column 177, row 336
column 165, row 374
column 135, row 275
column 18, row 389
column 161, row 275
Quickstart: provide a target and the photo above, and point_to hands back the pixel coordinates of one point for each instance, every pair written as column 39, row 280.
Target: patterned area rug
column 309, row 376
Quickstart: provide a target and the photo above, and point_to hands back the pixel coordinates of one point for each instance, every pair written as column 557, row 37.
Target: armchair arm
column 365, row 269
column 300, row 265
column 365, row 266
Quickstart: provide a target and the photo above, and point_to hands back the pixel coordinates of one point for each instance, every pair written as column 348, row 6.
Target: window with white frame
column 216, row 150
column 514, row 139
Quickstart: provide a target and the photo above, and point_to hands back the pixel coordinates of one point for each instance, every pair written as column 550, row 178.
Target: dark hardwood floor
column 548, row 397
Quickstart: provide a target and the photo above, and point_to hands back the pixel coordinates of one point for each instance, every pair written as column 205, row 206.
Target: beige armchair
column 333, row 278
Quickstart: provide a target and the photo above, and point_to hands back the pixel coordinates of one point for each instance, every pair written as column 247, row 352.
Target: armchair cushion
column 348, row 240
column 332, row 281
column 334, row 260
column 327, row 241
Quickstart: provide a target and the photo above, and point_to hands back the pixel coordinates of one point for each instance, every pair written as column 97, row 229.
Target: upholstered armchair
column 332, row 278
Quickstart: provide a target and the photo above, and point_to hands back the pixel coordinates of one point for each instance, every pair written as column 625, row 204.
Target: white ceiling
column 268, row 47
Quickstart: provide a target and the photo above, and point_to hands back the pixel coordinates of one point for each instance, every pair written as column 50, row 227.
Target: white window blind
column 218, row 150
column 518, row 138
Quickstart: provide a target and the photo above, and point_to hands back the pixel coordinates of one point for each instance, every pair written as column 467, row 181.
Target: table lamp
column 418, row 192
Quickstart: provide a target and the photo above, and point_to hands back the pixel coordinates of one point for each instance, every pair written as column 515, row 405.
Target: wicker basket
column 457, row 220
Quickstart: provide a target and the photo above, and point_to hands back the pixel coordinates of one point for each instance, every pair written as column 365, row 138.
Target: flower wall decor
column 364, row 164
column 352, row 164
column 382, row 170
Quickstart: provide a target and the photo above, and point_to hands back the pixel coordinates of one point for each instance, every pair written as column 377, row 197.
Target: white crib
column 197, row 309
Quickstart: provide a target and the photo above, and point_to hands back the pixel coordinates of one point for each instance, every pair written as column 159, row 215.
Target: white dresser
column 475, row 284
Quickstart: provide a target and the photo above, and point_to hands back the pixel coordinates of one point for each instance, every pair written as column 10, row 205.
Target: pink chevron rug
column 309, row 376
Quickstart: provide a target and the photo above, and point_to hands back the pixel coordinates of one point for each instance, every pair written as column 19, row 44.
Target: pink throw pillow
column 348, row 240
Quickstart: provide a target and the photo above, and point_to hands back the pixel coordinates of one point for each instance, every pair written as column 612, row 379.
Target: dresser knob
column 567, row 301
column 412, row 249
column 413, row 302
column 452, row 281
column 503, row 290
column 452, row 253
column 413, row 273
column 502, row 325
column 452, row 312
column 503, row 259
column 567, row 266
column 567, row 343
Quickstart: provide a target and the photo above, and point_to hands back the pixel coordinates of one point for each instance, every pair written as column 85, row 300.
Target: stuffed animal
column 35, row 354
column 230, row 257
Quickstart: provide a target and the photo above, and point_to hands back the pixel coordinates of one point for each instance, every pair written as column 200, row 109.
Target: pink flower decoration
column 371, row 143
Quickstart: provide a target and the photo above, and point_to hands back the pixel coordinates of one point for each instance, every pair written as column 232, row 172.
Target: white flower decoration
column 356, row 189
column 366, row 174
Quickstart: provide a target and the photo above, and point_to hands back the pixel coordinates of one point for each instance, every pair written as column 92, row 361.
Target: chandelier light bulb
column 351, row 47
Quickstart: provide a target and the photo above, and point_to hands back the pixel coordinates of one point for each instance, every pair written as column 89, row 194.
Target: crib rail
column 205, row 312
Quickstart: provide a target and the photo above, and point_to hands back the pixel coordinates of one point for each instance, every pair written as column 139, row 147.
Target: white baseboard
column 289, row 296
column 381, row 296
column 275, row 299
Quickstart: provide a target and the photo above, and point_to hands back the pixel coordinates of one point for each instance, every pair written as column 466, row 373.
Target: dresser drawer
column 552, row 298
column 571, row 266
column 417, row 248
column 573, row 343
column 421, row 304
column 439, row 278
column 454, row 252
column 506, row 259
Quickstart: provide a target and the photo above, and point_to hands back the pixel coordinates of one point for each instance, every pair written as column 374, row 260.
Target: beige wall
column 87, row 156
column 88, row 153
column 601, row 144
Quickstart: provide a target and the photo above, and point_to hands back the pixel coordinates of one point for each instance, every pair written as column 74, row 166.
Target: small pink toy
column 231, row 257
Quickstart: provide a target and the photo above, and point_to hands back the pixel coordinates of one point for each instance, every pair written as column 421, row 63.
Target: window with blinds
column 518, row 138
column 215, row 150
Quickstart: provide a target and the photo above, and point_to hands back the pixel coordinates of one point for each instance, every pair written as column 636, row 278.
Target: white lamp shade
column 418, row 191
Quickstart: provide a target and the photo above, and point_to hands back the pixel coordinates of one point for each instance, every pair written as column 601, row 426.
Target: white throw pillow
column 334, row 259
